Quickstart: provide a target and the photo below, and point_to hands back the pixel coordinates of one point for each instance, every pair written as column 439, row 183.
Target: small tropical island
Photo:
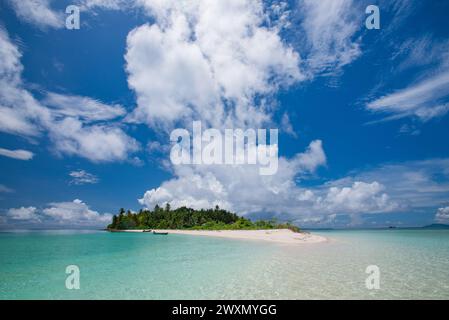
column 207, row 222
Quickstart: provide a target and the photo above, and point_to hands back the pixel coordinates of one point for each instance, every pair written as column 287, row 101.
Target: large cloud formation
column 207, row 60
column 242, row 189
column 222, row 63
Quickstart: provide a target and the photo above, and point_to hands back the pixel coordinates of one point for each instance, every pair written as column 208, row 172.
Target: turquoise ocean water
column 413, row 264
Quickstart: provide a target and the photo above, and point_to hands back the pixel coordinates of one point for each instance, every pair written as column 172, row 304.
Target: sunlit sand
column 273, row 235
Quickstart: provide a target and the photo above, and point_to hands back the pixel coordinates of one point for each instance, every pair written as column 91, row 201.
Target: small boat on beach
column 160, row 233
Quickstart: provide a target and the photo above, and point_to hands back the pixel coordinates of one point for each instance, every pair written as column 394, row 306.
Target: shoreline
column 272, row 235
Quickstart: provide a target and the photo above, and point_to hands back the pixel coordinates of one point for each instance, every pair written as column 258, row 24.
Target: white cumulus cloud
column 23, row 213
column 207, row 60
column 76, row 213
column 357, row 198
column 240, row 188
column 98, row 143
column 442, row 215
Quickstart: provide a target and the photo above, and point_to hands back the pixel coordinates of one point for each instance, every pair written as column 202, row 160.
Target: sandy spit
column 275, row 235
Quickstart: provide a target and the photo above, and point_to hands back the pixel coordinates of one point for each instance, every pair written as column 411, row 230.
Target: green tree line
column 187, row 218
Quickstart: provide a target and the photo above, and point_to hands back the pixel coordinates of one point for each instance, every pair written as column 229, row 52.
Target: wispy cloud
column 38, row 13
column 17, row 106
column 81, row 177
column 77, row 126
column 426, row 100
column 424, row 51
column 84, row 108
column 5, row 189
column 330, row 28
column 287, row 126
column 400, row 11
column 107, row 4
column 17, row 154
column 425, row 58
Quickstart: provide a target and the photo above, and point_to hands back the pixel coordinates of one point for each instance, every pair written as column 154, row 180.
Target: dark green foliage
column 187, row 218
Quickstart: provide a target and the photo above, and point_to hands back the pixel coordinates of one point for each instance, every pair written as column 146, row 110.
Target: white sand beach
column 275, row 235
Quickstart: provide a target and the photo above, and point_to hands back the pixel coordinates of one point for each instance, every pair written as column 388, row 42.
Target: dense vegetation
column 186, row 218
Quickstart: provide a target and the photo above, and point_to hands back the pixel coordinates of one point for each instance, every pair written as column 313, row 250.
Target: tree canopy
column 187, row 218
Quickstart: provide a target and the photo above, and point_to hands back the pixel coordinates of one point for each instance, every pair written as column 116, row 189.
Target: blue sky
column 86, row 114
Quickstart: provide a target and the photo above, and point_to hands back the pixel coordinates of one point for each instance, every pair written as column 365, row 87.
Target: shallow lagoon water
column 412, row 264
